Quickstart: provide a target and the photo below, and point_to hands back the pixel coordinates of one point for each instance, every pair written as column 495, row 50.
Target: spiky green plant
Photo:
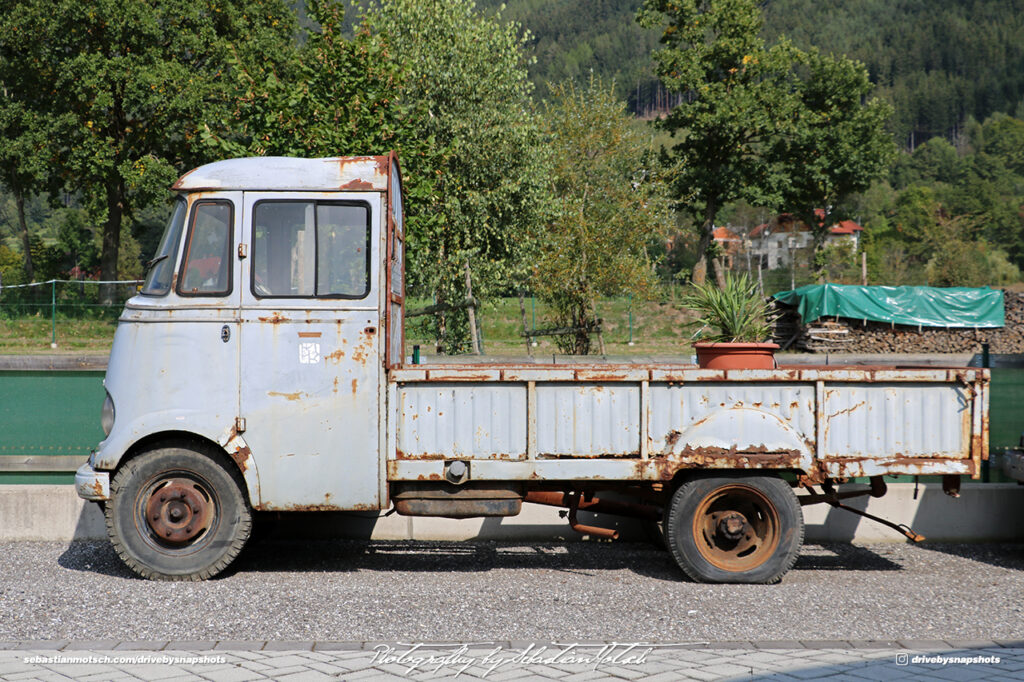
column 737, row 310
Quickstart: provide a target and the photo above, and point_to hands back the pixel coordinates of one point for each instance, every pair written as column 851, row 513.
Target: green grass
column 658, row 328
column 34, row 333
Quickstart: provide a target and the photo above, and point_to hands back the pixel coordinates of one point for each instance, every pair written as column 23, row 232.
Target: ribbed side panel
column 867, row 420
column 462, row 420
column 676, row 408
column 588, row 419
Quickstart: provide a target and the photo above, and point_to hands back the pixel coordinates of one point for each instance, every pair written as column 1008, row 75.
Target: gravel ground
column 448, row 591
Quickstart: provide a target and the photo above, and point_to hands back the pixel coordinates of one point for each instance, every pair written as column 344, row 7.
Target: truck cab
column 265, row 324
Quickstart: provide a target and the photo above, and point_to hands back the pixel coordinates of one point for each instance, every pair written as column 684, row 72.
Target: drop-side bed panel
column 631, row 422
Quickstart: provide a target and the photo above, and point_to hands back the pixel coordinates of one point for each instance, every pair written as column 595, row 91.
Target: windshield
column 161, row 268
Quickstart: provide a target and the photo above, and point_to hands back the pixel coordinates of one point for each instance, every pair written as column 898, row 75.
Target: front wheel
column 739, row 528
column 178, row 513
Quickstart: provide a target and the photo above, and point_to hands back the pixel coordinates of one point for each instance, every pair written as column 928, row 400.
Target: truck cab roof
column 280, row 173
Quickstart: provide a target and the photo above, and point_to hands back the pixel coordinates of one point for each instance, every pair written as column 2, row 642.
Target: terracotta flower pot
column 736, row 355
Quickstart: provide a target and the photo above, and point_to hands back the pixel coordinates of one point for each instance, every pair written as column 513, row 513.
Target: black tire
column 178, row 513
column 735, row 528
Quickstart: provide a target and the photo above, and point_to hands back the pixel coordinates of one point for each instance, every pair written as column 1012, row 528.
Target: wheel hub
column 736, row 528
column 177, row 512
column 732, row 525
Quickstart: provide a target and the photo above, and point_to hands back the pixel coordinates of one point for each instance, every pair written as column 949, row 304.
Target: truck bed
column 645, row 423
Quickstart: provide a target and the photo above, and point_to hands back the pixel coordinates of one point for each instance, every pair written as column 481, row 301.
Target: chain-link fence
column 68, row 315
column 56, row 310
column 513, row 326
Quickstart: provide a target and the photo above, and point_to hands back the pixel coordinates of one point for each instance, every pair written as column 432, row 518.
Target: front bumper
column 91, row 484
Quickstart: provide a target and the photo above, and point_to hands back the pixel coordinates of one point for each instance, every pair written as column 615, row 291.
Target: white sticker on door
column 309, row 353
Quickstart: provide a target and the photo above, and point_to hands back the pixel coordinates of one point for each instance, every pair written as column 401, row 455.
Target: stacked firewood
column 843, row 335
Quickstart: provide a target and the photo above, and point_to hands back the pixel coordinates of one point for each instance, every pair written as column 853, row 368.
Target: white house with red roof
column 779, row 240
column 731, row 243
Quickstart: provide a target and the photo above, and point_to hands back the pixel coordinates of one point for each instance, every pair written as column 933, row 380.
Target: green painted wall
column 1006, row 408
column 49, row 413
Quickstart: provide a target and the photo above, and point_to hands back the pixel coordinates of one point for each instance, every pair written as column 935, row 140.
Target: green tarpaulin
column 917, row 306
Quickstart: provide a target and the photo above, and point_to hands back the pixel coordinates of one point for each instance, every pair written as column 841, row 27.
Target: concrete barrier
column 47, row 512
column 984, row 512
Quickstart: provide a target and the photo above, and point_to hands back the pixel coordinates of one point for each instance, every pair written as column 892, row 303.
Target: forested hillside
column 938, row 61
column 574, row 38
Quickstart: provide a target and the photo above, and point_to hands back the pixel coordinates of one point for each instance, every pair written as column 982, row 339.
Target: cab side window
column 206, row 267
column 313, row 249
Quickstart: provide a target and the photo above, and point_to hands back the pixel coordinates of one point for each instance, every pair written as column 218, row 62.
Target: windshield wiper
column 151, row 263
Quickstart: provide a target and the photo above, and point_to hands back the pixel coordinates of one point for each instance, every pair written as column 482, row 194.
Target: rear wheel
column 739, row 528
column 178, row 513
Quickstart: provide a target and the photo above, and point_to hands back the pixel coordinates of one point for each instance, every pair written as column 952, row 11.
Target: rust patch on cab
column 362, row 350
column 241, row 456
column 357, row 185
column 275, row 318
column 287, row 396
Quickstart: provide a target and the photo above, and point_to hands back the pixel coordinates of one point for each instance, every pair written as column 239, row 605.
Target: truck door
column 311, row 348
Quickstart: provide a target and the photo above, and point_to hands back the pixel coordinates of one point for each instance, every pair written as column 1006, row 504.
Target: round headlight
column 107, row 415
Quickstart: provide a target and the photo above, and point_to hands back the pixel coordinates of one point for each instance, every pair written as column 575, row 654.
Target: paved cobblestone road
column 312, row 610
column 501, row 661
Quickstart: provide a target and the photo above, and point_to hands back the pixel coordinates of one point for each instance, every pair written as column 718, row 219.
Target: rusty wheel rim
column 736, row 528
column 178, row 511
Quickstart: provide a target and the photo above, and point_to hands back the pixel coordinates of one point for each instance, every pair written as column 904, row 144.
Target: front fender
column 178, row 423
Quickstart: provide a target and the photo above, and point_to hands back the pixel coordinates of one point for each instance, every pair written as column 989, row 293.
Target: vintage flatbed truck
column 261, row 367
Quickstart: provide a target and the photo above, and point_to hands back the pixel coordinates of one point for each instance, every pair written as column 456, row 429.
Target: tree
column 468, row 70
column 333, row 96
column 23, row 155
column 1004, row 139
column 835, row 145
column 736, row 99
column 914, row 217
column 611, row 204
column 11, row 268
column 960, row 259
column 993, row 196
column 130, row 84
